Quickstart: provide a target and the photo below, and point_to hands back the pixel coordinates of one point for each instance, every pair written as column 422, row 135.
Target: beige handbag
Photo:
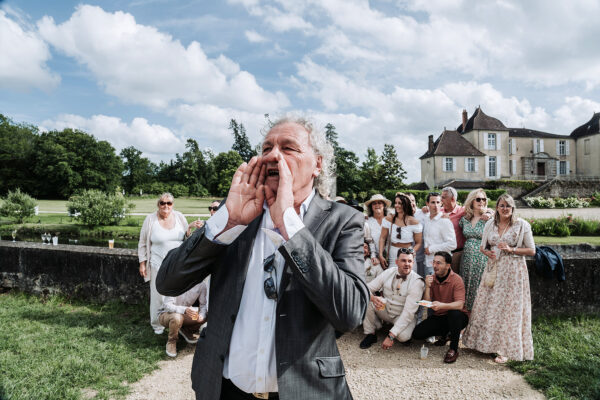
column 489, row 276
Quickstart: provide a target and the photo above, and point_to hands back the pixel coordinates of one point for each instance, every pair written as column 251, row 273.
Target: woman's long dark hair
column 406, row 207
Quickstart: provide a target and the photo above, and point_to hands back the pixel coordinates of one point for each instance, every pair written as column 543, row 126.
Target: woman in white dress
column 376, row 207
column 500, row 321
column 403, row 228
column 162, row 231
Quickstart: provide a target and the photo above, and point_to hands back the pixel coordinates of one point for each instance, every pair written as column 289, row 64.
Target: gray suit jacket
column 322, row 290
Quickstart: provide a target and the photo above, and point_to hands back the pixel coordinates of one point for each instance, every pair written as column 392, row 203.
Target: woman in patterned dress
column 473, row 261
column 501, row 317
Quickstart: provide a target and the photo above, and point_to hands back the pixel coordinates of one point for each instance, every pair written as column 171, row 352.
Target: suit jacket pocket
column 331, row 367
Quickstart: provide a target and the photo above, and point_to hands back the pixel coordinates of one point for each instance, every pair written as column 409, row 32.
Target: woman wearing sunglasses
column 404, row 230
column 473, row 261
column 163, row 230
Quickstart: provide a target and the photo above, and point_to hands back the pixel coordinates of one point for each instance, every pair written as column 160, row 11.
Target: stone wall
column 102, row 274
column 571, row 187
column 90, row 273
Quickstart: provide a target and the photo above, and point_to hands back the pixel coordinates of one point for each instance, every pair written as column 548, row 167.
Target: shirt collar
column 303, row 207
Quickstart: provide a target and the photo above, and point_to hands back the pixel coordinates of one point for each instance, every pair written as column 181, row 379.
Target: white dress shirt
column 438, row 235
column 250, row 363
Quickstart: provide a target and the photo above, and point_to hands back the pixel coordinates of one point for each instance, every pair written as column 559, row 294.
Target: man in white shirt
column 286, row 271
column 438, row 232
column 402, row 289
column 180, row 317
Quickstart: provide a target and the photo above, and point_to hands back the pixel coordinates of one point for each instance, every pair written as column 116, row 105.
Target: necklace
column 504, row 230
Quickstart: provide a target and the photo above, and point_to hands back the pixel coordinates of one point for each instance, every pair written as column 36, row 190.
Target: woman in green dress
column 473, row 262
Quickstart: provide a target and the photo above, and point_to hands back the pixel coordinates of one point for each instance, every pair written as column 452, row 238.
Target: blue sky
column 152, row 73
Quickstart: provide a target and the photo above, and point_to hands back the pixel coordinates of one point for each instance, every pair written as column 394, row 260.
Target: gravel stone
column 375, row 373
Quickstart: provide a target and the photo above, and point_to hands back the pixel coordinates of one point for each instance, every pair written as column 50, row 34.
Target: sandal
column 500, row 359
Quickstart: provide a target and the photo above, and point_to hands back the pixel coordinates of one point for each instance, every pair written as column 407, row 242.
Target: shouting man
column 286, row 270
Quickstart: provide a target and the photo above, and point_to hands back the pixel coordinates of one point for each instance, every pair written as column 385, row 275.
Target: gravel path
column 375, row 374
column 585, row 213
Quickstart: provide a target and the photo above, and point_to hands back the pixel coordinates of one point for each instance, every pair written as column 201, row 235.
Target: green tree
column 72, row 160
column 370, row 171
column 224, row 166
column 346, row 164
column 138, row 170
column 392, row 173
column 18, row 206
column 241, row 144
column 17, row 143
column 93, row 207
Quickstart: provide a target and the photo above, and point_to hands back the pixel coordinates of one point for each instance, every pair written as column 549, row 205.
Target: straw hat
column 378, row 197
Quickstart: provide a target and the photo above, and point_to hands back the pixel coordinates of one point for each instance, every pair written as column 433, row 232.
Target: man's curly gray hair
column 324, row 182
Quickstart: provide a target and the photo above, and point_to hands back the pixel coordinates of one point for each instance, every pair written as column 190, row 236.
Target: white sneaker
column 159, row 331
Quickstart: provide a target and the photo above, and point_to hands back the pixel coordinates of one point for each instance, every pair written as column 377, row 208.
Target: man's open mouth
column 273, row 172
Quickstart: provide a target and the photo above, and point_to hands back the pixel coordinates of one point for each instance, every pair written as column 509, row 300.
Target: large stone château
column 483, row 148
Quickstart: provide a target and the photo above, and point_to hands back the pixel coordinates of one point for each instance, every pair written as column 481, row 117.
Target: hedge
column 565, row 226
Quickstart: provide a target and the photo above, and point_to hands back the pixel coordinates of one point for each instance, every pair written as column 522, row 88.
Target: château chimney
column 464, row 118
column 430, row 143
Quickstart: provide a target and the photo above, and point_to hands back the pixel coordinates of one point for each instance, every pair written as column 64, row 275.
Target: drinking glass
column 14, row 235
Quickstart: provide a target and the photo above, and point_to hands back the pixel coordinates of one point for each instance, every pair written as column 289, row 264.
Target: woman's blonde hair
column 165, row 195
column 507, row 198
column 469, row 202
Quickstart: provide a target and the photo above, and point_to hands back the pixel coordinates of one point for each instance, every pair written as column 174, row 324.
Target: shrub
column 93, row 207
column 527, row 185
column 595, row 199
column 557, row 202
column 18, row 206
column 565, row 226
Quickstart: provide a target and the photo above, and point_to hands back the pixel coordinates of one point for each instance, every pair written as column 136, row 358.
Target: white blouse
column 375, row 234
column 407, row 232
column 163, row 240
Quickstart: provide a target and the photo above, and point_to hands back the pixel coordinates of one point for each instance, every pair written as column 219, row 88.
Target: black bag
column 549, row 263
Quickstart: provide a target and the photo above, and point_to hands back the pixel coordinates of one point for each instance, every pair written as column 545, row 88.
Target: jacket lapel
column 242, row 250
column 317, row 211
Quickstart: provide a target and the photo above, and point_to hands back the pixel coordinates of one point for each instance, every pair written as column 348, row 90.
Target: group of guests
column 162, row 231
column 447, row 269
column 432, row 272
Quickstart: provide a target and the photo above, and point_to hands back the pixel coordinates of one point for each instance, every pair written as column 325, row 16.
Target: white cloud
column 142, row 65
column 154, row 140
column 255, row 37
column 24, row 56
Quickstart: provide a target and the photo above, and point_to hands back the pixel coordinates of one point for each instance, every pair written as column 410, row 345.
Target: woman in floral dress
column 473, row 261
column 501, row 317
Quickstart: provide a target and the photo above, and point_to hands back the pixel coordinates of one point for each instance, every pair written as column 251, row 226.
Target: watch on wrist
column 391, row 337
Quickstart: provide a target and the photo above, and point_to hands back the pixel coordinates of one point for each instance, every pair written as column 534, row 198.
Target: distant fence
column 102, row 274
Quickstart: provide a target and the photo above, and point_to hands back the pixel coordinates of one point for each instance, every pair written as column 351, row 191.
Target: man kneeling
column 446, row 291
column 180, row 317
column 402, row 289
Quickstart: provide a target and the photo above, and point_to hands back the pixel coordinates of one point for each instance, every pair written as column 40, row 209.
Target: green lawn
column 566, row 364
column 548, row 240
column 186, row 205
column 53, row 348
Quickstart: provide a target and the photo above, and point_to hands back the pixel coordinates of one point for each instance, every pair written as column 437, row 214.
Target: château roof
column 589, row 128
column 481, row 121
column 451, row 143
column 530, row 133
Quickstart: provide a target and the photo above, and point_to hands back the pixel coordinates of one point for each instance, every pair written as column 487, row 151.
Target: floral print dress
column 473, row 261
column 500, row 321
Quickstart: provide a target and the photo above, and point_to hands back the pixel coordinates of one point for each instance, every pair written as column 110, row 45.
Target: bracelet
column 391, row 337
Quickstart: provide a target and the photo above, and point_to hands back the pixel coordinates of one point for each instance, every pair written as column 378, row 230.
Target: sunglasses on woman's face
column 169, row 203
column 480, row 199
column 211, row 208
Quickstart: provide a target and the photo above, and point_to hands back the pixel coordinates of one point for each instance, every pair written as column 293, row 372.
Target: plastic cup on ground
column 54, row 240
column 111, row 243
column 424, row 352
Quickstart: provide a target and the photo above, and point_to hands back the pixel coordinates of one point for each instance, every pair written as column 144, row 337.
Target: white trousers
column 373, row 323
column 156, row 300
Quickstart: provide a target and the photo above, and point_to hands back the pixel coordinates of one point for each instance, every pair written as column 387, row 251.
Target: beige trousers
column 373, row 323
column 174, row 322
